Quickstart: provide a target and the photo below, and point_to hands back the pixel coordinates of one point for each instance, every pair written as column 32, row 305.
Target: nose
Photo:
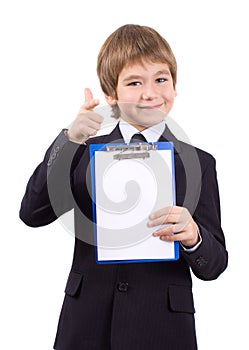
column 148, row 93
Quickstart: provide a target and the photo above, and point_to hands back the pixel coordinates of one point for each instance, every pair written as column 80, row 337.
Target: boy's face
column 145, row 94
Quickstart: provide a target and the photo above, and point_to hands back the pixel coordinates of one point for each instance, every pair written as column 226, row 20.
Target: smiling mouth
column 150, row 107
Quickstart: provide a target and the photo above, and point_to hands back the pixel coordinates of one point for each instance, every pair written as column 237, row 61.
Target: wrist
column 191, row 246
column 80, row 141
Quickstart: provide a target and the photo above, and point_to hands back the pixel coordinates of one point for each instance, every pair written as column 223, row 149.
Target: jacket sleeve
column 210, row 259
column 48, row 193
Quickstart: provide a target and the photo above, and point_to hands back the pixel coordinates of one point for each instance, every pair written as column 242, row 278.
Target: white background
column 48, row 55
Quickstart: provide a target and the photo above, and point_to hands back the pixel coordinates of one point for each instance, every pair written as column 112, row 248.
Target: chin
column 152, row 122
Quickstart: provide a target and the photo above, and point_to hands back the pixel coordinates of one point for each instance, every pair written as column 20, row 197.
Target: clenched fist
column 87, row 122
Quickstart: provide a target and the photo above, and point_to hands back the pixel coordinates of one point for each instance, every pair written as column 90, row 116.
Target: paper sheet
column 126, row 192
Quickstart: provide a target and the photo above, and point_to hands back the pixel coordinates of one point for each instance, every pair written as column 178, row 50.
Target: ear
column 175, row 92
column 110, row 100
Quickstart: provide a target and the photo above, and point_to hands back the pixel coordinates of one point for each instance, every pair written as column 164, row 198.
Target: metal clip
column 137, row 150
column 121, row 156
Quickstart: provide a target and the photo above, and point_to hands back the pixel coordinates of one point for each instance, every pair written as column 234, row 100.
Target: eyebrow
column 132, row 77
column 164, row 72
column 136, row 77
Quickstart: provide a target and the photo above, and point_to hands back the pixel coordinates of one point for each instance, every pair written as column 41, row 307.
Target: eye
column 161, row 80
column 134, row 83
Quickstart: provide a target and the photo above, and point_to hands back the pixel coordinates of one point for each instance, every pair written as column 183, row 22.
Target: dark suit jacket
column 135, row 306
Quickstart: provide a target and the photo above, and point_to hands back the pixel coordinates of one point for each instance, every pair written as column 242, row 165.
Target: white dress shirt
column 151, row 134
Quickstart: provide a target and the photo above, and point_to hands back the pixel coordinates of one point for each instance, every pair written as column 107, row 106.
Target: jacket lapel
column 168, row 136
column 115, row 136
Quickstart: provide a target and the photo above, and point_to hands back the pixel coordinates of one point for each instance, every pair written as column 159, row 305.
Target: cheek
column 169, row 96
column 127, row 96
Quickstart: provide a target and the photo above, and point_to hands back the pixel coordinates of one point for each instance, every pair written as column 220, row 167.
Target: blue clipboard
column 129, row 182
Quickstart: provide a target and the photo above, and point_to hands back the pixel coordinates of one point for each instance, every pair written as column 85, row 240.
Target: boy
column 144, row 305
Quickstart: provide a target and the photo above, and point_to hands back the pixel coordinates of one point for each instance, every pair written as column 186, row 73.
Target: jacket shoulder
column 204, row 156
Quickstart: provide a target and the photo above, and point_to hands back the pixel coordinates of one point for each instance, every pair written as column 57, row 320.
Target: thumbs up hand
column 87, row 123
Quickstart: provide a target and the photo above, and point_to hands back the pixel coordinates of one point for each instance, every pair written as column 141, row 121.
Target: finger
column 89, row 102
column 166, row 230
column 165, row 219
column 95, row 117
column 169, row 233
column 164, row 212
column 92, row 120
column 90, row 126
column 173, row 237
column 93, row 133
column 89, row 105
column 172, row 228
column 159, row 221
column 90, row 132
column 88, row 95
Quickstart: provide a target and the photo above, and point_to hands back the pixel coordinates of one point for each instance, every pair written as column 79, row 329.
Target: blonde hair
column 128, row 45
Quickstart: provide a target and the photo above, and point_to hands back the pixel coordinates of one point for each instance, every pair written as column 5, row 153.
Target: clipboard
column 129, row 182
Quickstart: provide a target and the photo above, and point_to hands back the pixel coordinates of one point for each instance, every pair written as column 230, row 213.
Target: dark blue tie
column 138, row 137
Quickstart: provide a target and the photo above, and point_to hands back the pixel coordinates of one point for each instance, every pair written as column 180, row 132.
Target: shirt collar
column 152, row 134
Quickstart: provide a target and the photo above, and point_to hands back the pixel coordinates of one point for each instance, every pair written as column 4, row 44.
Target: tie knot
column 138, row 137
